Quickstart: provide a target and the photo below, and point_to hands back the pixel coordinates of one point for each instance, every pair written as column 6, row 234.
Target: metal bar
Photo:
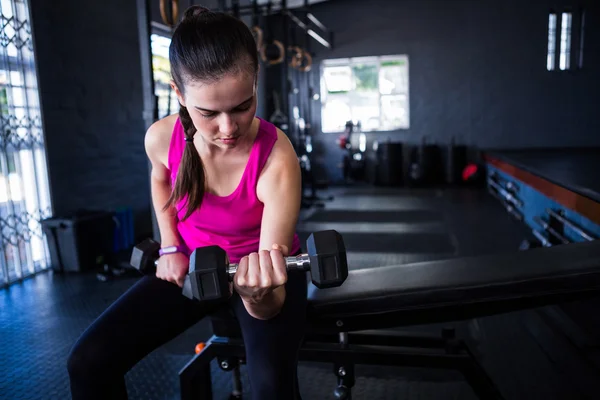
column 237, row 382
column 507, row 205
column 507, row 195
column 4, row 161
column 21, row 239
column 383, row 337
column 303, row 26
column 571, row 225
column 551, row 230
column 34, row 201
column 349, row 355
column 379, row 355
column 545, row 242
column 315, row 21
column 11, row 211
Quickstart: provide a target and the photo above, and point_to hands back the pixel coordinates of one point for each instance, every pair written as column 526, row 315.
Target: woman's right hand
column 173, row 268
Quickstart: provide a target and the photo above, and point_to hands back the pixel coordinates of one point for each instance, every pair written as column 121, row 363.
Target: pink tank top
column 232, row 222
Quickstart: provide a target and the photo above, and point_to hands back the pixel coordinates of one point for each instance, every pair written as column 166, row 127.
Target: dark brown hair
column 205, row 46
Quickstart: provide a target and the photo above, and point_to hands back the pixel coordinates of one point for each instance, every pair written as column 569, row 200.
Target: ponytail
column 191, row 179
column 205, row 46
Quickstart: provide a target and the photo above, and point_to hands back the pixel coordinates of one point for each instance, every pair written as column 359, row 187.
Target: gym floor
column 545, row 353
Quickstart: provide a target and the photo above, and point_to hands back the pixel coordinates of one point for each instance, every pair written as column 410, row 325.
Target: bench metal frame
column 344, row 351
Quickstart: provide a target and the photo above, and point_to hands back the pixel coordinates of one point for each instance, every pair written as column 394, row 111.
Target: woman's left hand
column 259, row 274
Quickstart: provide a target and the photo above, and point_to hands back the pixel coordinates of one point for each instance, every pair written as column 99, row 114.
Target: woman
column 220, row 176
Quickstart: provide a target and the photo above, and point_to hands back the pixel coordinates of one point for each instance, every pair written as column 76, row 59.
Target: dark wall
column 477, row 71
column 90, row 83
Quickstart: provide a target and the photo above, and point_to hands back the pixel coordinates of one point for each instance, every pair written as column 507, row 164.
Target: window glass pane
column 565, row 41
column 337, row 79
column 393, row 77
column 394, row 112
column 551, row 42
column 365, row 78
column 167, row 99
column 365, row 109
column 336, row 112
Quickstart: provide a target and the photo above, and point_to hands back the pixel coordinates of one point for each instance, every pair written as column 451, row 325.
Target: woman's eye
column 209, row 115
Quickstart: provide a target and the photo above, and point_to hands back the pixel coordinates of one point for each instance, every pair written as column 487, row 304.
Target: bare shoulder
column 281, row 172
column 283, row 152
column 158, row 139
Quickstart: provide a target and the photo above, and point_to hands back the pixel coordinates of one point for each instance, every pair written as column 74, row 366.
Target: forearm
column 268, row 307
column 167, row 223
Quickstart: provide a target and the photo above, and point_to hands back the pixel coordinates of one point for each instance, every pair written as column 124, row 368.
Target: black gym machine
column 549, row 229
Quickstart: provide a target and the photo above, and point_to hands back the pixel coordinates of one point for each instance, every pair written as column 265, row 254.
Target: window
column 371, row 90
column 167, row 99
column 565, row 41
column 24, row 192
column 564, row 26
column 551, row 42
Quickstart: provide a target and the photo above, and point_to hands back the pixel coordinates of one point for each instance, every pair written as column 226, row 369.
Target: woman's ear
column 178, row 93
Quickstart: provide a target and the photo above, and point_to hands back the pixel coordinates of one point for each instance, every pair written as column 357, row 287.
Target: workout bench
column 345, row 323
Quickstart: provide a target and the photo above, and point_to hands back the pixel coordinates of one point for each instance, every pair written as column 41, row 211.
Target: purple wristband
column 171, row 250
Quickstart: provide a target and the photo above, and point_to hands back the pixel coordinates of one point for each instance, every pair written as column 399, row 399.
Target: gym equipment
column 311, row 25
column 554, row 230
column 355, row 144
column 169, row 12
column 346, row 325
column 559, row 217
column 455, row 162
column 506, row 196
column 210, row 271
column 384, row 165
column 144, row 258
column 278, row 118
column 271, row 55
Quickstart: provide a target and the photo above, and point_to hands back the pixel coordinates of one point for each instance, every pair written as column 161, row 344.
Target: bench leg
column 195, row 377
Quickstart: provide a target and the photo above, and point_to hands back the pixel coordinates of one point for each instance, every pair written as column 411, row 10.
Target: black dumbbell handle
column 300, row 262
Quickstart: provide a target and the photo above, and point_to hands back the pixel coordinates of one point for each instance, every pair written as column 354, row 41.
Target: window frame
column 350, row 62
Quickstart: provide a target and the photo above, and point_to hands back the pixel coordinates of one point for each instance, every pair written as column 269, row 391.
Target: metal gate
column 24, row 191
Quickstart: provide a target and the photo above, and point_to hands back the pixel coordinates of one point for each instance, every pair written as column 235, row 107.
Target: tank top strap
column 176, row 148
column 264, row 142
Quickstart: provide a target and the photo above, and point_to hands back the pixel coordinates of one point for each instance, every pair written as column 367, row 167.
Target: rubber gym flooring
column 536, row 354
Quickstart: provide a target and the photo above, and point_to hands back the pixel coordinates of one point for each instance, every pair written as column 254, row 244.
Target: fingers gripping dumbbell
column 144, row 258
column 210, row 271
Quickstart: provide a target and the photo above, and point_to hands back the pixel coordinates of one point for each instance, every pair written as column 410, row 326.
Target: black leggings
column 154, row 311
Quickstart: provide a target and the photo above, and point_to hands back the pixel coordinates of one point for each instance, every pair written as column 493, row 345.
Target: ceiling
column 214, row 4
column 290, row 3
